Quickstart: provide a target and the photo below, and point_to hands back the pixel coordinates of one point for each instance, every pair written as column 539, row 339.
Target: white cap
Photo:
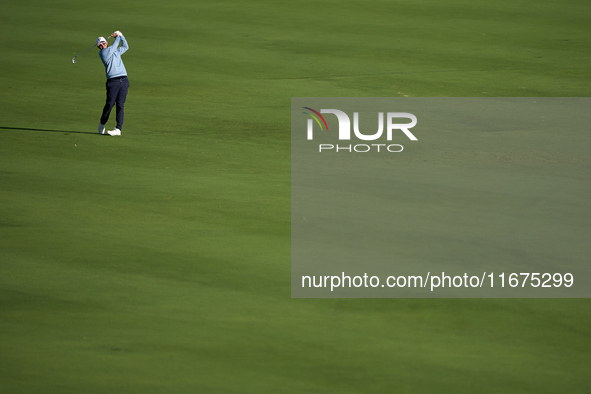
column 99, row 40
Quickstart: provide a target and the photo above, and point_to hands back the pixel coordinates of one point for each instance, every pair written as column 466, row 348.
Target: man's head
column 101, row 43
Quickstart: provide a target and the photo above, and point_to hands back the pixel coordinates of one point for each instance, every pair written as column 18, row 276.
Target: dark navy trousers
column 116, row 94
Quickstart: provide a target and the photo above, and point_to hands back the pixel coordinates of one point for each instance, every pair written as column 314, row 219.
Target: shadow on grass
column 53, row 131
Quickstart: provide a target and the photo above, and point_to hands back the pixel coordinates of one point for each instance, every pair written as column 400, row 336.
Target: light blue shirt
column 111, row 57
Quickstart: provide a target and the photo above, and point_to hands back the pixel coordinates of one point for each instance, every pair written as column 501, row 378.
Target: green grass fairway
column 159, row 262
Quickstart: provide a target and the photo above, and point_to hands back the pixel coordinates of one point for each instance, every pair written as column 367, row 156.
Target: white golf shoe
column 114, row 132
column 101, row 128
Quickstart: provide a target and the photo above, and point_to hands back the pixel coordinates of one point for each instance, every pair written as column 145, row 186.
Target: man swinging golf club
column 117, row 83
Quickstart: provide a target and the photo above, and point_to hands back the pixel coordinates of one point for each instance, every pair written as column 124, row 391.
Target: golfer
column 117, row 83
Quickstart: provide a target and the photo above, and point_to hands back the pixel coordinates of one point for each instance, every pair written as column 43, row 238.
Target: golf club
column 74, row 58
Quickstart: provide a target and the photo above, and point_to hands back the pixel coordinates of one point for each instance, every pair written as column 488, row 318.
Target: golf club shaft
column 88, row 49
